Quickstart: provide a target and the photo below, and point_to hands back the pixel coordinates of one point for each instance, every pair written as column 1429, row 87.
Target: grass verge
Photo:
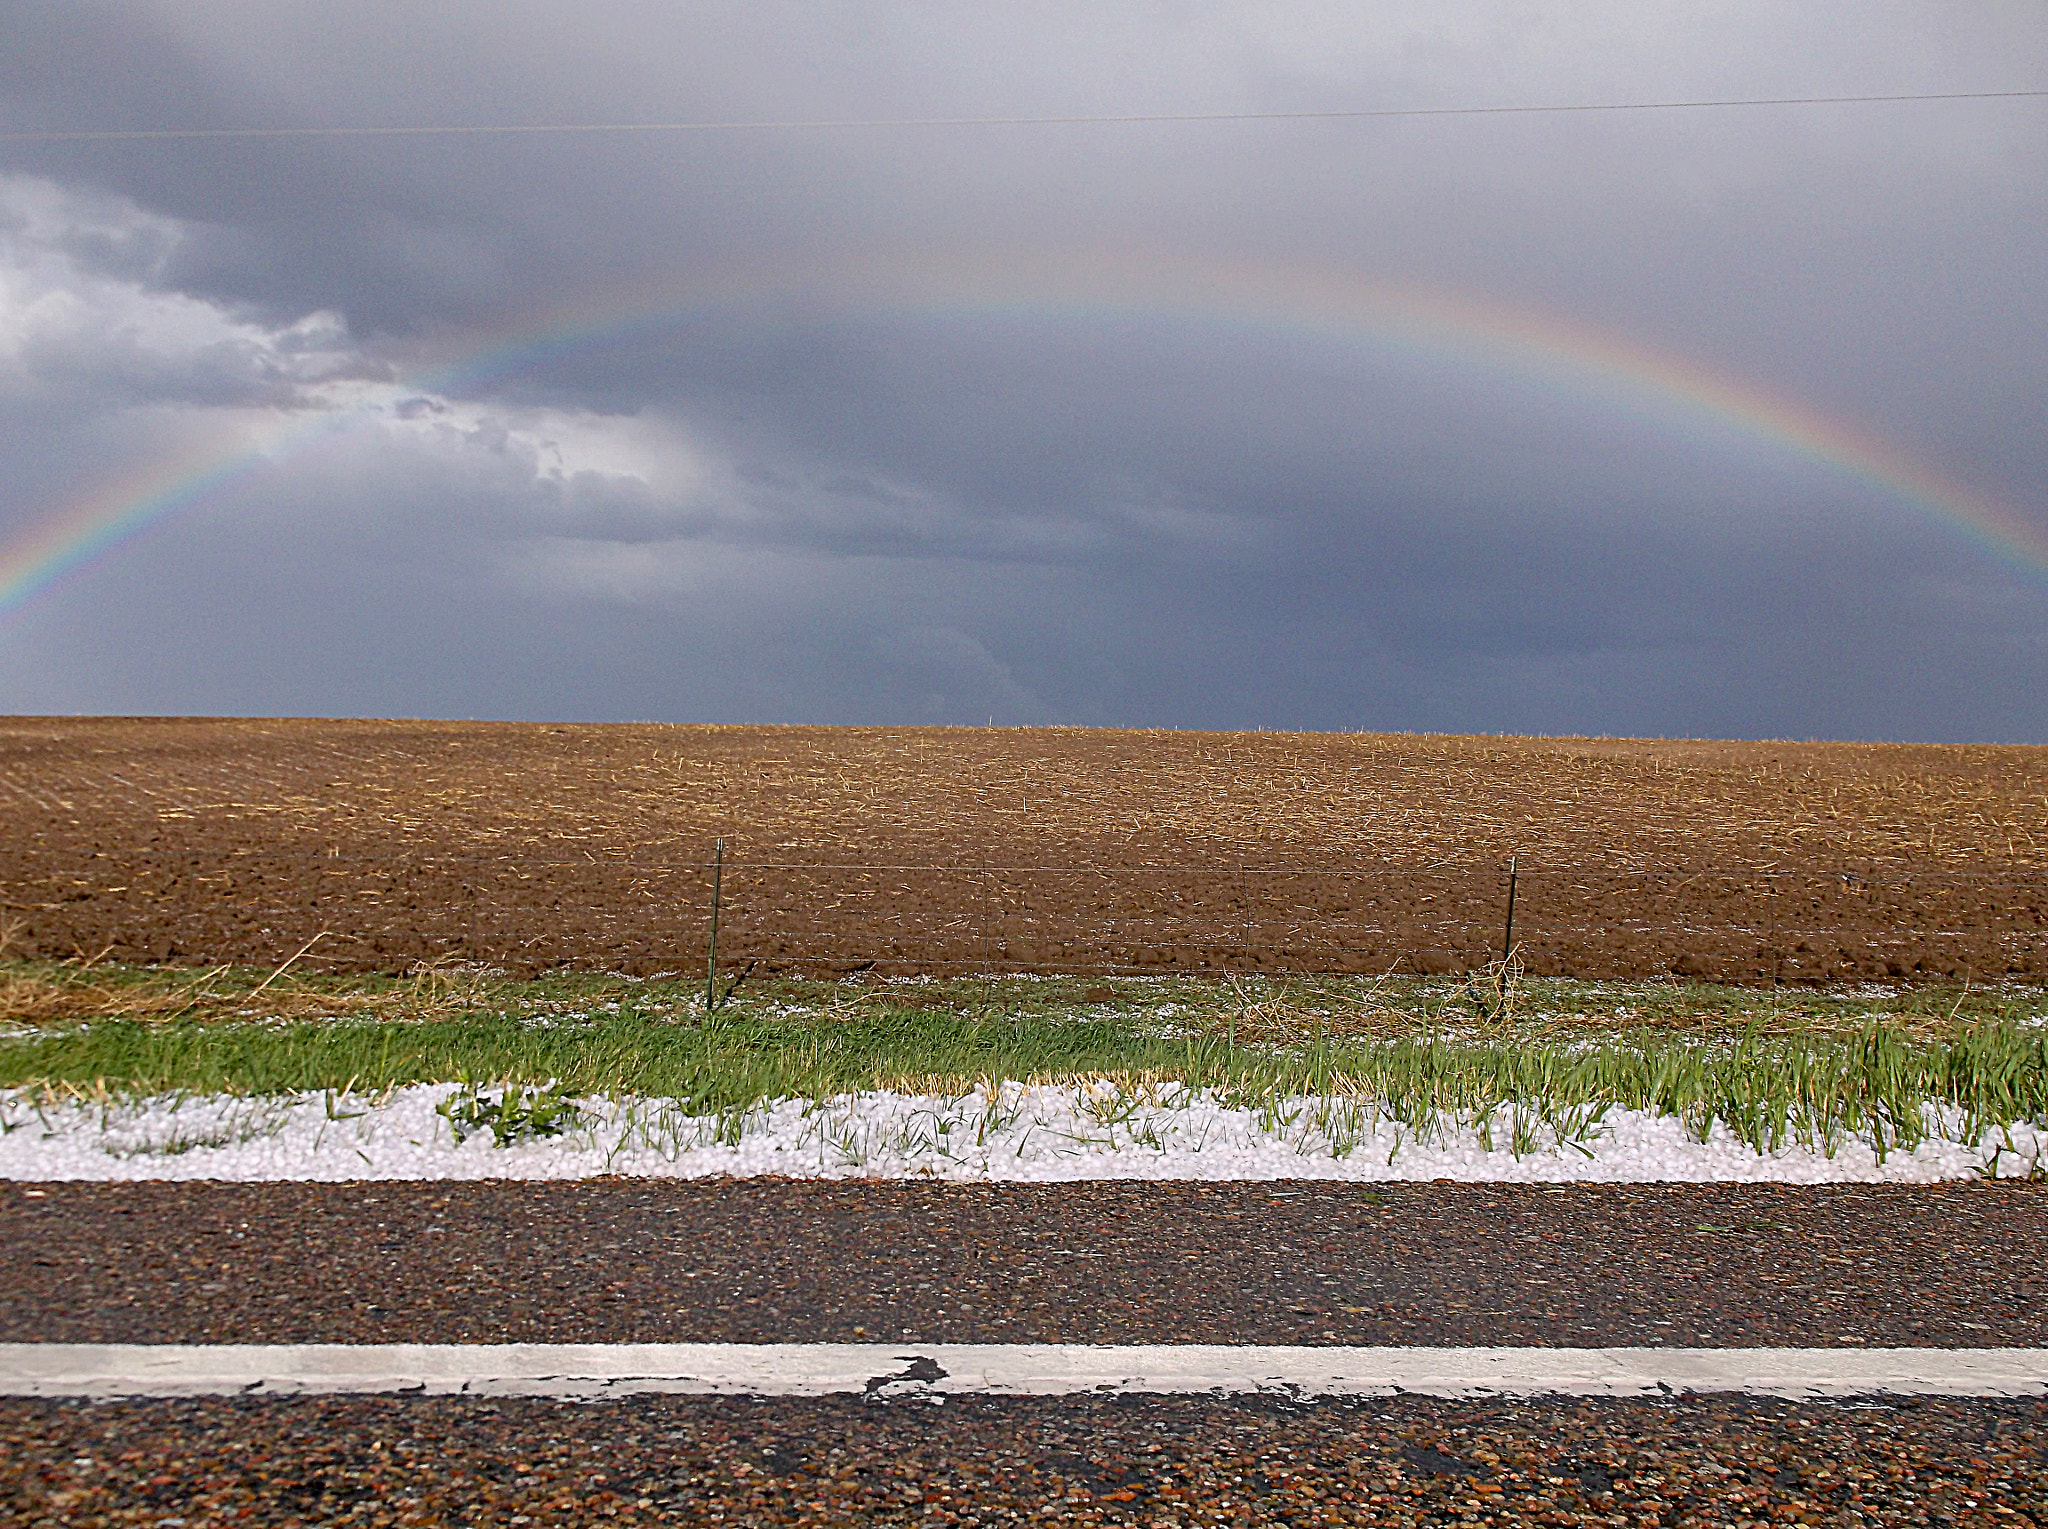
column 1276, row 1010
column 1774, row 1068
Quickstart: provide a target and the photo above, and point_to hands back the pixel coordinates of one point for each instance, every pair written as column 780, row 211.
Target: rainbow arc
column 1607, row 370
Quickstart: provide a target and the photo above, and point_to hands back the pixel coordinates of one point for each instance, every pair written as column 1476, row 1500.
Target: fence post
column 1507, row 944
column 1771, row 938
column 988, row 913
column 711, row 959
column 1244, row 895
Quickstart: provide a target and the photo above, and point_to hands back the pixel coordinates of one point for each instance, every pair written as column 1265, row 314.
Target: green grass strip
column 1769, row 1090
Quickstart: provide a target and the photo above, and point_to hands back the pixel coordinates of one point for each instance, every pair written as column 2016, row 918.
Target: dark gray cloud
column 1049, row 424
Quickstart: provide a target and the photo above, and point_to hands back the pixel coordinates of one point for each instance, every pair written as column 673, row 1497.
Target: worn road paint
column 1026, row 1369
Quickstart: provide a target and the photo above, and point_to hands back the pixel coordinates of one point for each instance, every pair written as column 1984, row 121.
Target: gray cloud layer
column 880, row 461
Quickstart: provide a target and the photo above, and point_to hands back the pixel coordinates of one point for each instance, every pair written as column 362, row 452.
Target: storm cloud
column 1286, row 423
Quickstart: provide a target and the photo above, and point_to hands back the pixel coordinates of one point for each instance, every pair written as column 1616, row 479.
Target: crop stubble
column 950, row 849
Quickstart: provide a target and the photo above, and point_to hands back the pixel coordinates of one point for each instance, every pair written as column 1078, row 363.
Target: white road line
column 104, row 1370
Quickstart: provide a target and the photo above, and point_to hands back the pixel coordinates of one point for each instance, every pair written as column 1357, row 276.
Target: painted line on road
column 885, row 1371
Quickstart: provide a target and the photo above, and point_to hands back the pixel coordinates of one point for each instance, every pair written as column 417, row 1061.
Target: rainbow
column 1322, row 305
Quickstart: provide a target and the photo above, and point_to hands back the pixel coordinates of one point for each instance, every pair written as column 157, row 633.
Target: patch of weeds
column 1496, row 992
column 514, row 1114
column 130, row 1131
column 1001, row 1105
column 2026, row 1164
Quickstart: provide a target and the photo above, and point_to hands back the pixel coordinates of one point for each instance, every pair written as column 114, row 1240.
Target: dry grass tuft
column 72, row 991
column 1496, row 991
column 1296, row 1013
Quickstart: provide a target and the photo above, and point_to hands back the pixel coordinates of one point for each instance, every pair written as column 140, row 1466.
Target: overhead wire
column 803, row 124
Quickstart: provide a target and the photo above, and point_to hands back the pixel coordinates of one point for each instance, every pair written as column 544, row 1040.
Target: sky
column 1716, row 421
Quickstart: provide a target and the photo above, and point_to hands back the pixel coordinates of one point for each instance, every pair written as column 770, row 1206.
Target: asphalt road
column 773, row 1261
column 1268, row 1263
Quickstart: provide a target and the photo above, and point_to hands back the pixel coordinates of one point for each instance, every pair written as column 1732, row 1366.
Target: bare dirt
column 946, row 850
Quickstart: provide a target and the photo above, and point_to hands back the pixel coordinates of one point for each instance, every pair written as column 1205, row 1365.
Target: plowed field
column 907, row 849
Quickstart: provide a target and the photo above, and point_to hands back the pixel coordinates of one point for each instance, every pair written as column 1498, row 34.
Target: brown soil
column 939, row 849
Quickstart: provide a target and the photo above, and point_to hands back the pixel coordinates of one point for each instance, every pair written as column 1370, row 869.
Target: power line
column 484, row 130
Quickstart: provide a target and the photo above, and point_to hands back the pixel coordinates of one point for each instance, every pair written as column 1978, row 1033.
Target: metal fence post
column 1507, row 944
column 711, row 958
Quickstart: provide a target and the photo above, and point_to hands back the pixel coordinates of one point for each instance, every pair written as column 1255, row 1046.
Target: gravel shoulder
column 1155, row 1460
column 788, row 1261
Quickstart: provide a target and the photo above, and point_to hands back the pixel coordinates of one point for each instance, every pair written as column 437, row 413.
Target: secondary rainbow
column 1602, row 369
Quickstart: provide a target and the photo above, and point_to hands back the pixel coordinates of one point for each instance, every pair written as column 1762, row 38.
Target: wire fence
column 529, row 912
